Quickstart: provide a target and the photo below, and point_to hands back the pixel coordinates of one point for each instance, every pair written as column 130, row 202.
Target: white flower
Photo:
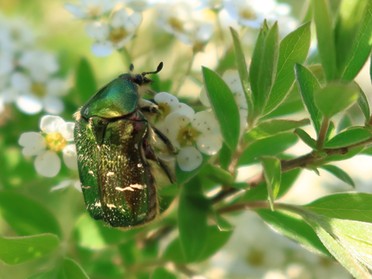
column 56, row 137
column 193, row 134
column 114, row 33
column 36, row 95
column 88, row 9
column 168, row 103
column 187, row 24
column 251, row 13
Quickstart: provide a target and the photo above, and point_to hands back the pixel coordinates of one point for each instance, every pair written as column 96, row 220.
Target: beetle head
column 141, row 79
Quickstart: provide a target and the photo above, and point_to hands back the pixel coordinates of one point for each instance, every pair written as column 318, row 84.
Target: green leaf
column 293, row 227
column 242, row 69
column 353, row 37
column 70, row 269
column 308, row 84
column 16, row 250
column 353, row 206
column 192, row 219
column 85, row 82
column 272, row 127
column 162, row 273
column 270, row 146
column 363, row 104
column 264, row 65
column 349, row 137
column 325, row 36
column 217, row 174
column 293, row 49
column 348, row 241
column 272, row 173
column 27, row 216
column 339, row 173
column 306, row 138
column 224, row 107
column 335, row 97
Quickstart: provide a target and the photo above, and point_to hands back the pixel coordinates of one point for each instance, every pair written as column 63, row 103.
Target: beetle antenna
column 131, row 67
column 158, row 69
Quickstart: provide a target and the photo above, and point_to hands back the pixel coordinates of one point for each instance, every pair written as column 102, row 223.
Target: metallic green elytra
column 115, row 148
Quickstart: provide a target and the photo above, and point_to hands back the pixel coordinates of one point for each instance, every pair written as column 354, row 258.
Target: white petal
column 209, row 144
column 67, row 131
column 98, row 30
column 56, row 87
column 166, row 98
column 186, row 110
column 51, row 123
column 205, row 122
column 53, row 105
column 32, row 142
column 189, row 158
column 70, row 157
column 47, row 164
column 172, row 125
column 29, row 104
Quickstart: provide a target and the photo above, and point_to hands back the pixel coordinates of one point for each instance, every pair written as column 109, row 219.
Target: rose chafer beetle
column 116, row 153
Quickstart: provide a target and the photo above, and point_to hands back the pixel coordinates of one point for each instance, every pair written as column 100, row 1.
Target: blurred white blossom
column 189, row 25
column 113, row 33
column 91, row 9
column 56, row 137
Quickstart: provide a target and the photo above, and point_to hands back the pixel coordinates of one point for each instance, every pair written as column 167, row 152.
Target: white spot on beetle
column 97, row 204
column 110, row 173
column 131, row 188
column 90, row 172
column 110, row 205
column 85, row 187
column 139, row 165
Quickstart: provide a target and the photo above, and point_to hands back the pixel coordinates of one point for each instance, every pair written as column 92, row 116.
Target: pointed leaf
column 71, row 270
column 293, row 49
column 306, row 138
column 224, row 107
column 349, row 137
column 325, row 36
column 339, row 173
column 272, row 172
column 308, row 84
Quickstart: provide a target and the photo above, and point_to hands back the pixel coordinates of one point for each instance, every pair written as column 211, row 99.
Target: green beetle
column 115, row 148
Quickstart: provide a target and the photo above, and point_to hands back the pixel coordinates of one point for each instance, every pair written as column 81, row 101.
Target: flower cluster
column 27, row 74
column 56, row 137
column 192, row 134
column 112, row 24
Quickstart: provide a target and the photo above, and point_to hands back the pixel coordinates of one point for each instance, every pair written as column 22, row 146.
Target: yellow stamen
column 38, row 89
column 187, row 135
column 118, row 34
column 55, row 141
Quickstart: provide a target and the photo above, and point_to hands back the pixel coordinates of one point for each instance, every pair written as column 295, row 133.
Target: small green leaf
column 16, row 250
column 27, row 216
column 293, row 227
column 306, row 138
column 353, row 37
column 270, row 146
column 272, row 172
column 335, row 97
column 308, row 84
column 363, row 104
column 293, row 49
column 70, row 269
column 349, row 137
column 264, row 65
column 162, row 273
column 85, row 82
column 192, row 219
column 272, row 127
column 217, row 174
column 339, row 173
column 224, row 107
column 242, row 69
column 353, row 206
column 324, row 33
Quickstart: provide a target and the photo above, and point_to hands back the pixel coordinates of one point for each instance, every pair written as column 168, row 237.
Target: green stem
column 323, row 133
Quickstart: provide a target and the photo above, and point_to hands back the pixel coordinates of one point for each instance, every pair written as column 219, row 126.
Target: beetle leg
column 148, row 106
column 165, row 140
